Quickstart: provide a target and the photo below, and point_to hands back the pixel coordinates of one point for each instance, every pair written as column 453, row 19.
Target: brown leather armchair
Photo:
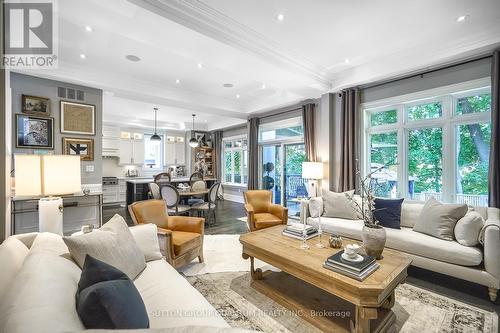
column 181, row 237
column 261, row 211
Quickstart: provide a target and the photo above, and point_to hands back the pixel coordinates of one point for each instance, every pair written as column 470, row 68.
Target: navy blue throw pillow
column 107, row 298
column 388, row 212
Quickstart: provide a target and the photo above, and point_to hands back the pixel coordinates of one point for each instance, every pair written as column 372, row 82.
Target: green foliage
column 384, row 117
column 295, row 155
column 424, row 159
column 476, row 103
column 424, row 111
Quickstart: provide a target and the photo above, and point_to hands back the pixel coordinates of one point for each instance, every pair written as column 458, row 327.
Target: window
column 235, row 160
column 439, row 147
column 153, row 152
column 283, row 130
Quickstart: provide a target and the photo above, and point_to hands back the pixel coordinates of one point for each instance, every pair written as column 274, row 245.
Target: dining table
column 190, row 193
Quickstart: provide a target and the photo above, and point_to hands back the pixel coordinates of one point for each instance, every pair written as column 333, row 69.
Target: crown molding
column 198, row 16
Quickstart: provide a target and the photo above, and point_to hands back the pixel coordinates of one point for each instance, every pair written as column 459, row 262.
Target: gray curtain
column 309, row 137
column 217, row 142
column 494, row 170
column 253, row 153
column 346, row 141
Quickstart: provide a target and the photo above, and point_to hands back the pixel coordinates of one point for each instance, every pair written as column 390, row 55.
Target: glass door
column 271, row 172
column 294, row 185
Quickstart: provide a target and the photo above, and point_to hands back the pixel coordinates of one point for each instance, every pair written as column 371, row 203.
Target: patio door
column 281, row 173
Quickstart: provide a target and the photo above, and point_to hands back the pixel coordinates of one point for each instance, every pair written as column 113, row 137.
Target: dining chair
column 154, row 191
column 208, row 208
column 195, row 176
column 162, row 178
column 171, row 196
column 199, row 185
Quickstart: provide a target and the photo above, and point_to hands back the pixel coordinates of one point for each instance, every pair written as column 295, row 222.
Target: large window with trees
column 437, row 145
column 235, row 160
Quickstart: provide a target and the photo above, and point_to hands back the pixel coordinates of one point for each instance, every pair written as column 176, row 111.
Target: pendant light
column 193, row 143
column 155, row 137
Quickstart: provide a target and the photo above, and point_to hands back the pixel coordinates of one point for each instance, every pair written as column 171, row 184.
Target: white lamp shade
column 60, row 174
column 28, row 178
column 312, row 170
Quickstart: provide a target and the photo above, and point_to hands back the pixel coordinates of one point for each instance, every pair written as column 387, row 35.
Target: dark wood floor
column 228, row 213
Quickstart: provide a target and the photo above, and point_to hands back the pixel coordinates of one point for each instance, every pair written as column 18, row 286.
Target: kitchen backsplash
column 110, row 168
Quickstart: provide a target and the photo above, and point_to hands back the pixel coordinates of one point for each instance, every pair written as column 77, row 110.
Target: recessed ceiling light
column 263, row 86
column 237, row 95
column 177, row 81
column 83, row 56
column 132, row 58
column 462, row 18
column 88, row 28
column 228, row 85
column 280, row 17
column 346, row 60
column 200, row 65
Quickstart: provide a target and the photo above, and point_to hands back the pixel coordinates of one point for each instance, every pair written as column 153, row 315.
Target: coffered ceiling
column 273, row 53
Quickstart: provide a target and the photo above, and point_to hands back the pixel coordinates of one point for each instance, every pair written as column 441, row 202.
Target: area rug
column 222, row 253
column 224, row 281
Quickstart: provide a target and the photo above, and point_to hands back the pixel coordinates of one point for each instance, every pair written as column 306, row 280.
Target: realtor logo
column 30, row 35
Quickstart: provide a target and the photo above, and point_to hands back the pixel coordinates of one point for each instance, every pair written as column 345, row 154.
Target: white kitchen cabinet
column 110, row 141
column 180, row 153
column 138, row 152
column 125, row 153
column 131, row 151
column 175, row 153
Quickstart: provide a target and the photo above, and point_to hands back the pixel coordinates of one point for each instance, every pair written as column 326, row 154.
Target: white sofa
column 479, row 264
column 38, row 282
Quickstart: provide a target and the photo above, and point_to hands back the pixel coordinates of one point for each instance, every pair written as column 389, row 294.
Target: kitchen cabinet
column 175, row 151
column 131, row 151
column 110, row 141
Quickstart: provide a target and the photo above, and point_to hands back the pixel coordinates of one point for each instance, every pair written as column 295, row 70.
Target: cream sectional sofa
column 38, row 282
column 480, row 264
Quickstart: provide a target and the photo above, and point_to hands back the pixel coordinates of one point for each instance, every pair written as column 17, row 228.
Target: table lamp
column 48, row 176
column 314, row 172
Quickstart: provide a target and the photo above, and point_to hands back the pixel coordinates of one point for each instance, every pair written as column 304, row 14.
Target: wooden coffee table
column 328, row 300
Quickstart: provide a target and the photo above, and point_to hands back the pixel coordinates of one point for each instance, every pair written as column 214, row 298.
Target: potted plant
column 373, row 235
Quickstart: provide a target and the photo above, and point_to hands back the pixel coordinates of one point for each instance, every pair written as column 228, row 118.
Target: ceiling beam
column 197, row 16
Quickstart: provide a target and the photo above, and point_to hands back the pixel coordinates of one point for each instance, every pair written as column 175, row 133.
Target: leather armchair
column 180, row 237
column 261, row 212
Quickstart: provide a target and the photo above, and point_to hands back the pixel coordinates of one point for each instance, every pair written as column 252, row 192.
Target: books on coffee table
column 358, row 270
column 295, row 230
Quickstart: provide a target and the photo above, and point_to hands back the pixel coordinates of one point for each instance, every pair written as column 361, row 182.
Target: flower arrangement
column 366, row 206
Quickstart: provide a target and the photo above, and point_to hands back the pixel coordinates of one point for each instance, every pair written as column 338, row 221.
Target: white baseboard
column 234, row 197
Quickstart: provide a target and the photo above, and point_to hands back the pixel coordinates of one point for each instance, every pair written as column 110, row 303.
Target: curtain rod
column 425, row 72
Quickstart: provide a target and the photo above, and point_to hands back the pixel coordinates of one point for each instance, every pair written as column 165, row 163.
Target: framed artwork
column 34, row 132
column 200, row 137
column 81, row 147
column 35, row 105
column 77, row 118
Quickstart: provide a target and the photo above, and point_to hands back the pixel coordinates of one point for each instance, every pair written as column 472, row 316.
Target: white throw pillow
column 146, row 237
column 316, row 207
column 113, row 243
column 468, row 228
column 339, row 205
column 439, row 219
column 12, row 254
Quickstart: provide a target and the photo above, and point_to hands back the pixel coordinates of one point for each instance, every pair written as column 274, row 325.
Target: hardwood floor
column 228, row 212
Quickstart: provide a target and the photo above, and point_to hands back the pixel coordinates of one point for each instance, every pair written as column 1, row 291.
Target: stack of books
column 358, row 270
column 295, row 230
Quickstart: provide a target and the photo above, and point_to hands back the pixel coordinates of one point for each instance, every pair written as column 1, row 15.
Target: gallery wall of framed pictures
column 35, row 128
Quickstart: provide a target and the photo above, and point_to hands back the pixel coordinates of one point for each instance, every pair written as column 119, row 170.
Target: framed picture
column 34, row 132
column 77, row 118
column 200, row 137
column 77, row 146
column 36, row 105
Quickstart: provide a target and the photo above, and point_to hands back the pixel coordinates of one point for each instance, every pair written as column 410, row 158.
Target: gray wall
column 440, row 78
column 30, row 85
column 233, row 131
